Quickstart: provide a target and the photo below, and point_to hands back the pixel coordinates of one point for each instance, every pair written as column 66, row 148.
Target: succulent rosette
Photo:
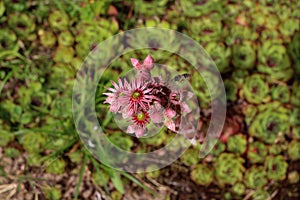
column 195, row 8
column 244, row 56
column 146, row 8
column 239, row 76
column 271, row 122
column 257, row 152
column 295, row 122
column 294, row 51
column 281, row 93
column 260, row 194
column 8, row 40
column 274, row 61
column 255, row 89
column 147, row 100
column 256, row 177
column 202, row 174
column 239, row 34
column 294, row 150
column 276, row 167
column 295, row 93
column 47, row 38
column 59, row 20
column 190, row 157
column 65, row 38
column 237, row 144
column 239, row 188
column 208, row 29
column 218, row 148
column 23, row 25
column 231, row 89
column 220, row 54
column 229, row 169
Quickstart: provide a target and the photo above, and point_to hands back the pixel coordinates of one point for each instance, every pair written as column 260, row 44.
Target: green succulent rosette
column 151, row 8
column 59, row 20
column 257, row 152
column 220, row 55
column 274, row 61
column 65, row 38
column 239, row 76
column 275, row 149
column 56, row 166
column 53, row 193
column 260, row 195
column 294, row 150
column 244, row 56
column 228, row 169
column 250, row 112
column 269, row 34
column 293, row 177
column 47, row 38
column 256, row 177
column 152, row 172
column 281, row 93
column 5, row 137
column 23, row 25
column 294, row 52
column 218, row 148
column 190, row 157
column 237, row 144
column 8, row 40
column 33, row 142
column 239, row 34
column 288, row 27
column 196, row 8
column 231, row 89
column 295, row 122
column 64, row 54
column 239, row 188
column 271, row 122
column 156, row 22
column 295, row 99
column 255, row 89
column 276, row 167
column 202, row 174
column 208, row 29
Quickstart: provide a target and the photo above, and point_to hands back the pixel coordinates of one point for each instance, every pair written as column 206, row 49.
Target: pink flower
column 156, row 113
column 114, row 98
column 137, row 96
column 140, row 120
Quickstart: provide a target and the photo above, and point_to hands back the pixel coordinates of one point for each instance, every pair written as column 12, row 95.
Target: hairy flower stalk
column 148, row 99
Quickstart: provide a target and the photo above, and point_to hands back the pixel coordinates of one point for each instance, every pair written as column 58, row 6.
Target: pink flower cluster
column 147, row 99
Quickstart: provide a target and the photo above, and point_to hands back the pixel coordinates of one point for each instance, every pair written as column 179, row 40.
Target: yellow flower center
column 136, row 95
column 140, row 116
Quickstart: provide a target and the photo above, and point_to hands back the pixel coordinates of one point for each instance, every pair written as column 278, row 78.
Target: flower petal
column 148, row 63
column 136, row 63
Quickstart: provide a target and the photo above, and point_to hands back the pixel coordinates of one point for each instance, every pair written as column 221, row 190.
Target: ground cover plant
column 256, row 47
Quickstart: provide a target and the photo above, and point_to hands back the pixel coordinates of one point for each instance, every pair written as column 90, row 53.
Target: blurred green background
column 256, row 47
